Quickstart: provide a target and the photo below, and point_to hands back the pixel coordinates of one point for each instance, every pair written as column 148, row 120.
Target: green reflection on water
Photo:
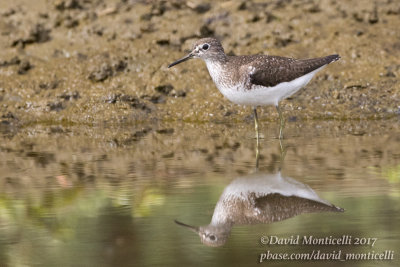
column 82, row 201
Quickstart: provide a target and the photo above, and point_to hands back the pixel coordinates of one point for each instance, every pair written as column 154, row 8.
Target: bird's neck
column 216, row 67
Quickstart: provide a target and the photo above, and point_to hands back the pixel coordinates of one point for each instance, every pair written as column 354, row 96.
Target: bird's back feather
column 271, row 70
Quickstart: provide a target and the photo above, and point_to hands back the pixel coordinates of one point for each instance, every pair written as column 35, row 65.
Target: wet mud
column 105, row 62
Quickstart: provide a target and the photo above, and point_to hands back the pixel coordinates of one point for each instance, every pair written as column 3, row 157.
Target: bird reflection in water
column 256, row 199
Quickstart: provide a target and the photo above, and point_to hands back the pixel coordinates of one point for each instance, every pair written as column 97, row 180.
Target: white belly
column 261, row 95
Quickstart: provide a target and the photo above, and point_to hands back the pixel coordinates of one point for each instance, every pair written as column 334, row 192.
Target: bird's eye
column 206, row 46
column 212, row 237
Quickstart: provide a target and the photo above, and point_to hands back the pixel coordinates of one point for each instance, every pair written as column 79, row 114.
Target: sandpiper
column 256, row 80
column 259, row 199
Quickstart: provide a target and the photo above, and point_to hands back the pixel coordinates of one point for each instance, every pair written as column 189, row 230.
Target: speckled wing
column 271, row 70
column 276, row 207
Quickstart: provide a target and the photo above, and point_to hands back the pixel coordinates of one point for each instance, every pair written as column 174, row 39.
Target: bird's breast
column 222, row 77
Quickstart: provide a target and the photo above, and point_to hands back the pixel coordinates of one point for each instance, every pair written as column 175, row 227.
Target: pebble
column 24, row 67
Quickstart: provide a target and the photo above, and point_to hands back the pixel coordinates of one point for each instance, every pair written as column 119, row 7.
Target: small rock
column 43, row 15
column 146, row 17
column 24, row 67
column 126, row 98
column 336, row 94
column 391, row 70
column 134, row 102
column 141, row 133
column 218, row 17
column 101, row 74
column 282, row 41
column 168, row 155
column 128, row 21
column 162, row 42
column 149, row 28
column 112, row 98
column 108, row 11
column 81, row 56
column 13, row 61
column 97, row 30
column 166, row 131
column 49, row 85
column 131, row 36
column 206, row 31
column 390, row 73
column 358, row 16
column 359, row 32
column 314, row 9
column 62, row 5
column 373, row 16
column 164, row 89
column 70, row 95
column 228, row 113
column 269, row 17
column 70, row 22
column 57, row 129
column 56, row 106
column 356, row 86
column 199, row 7
column 243, row 5
column 8, row 118
column 37, row 34
column 9, row 12
column 8, row 115
column 159, row 8
column 254, row 18
column 393, row 10
column 235, row 146
column 178, row 93
column 119, row 65
column 157, row 99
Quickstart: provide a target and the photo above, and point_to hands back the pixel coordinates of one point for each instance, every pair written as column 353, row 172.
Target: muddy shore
column 105, row 62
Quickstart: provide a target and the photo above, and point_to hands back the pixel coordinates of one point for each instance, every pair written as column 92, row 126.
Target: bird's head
column 206, row 48
column 210, row 235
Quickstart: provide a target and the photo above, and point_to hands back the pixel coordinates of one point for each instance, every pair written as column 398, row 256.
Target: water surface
column 108, row 196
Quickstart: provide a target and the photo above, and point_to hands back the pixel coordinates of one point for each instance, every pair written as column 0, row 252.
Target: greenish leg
column 281, row 122
column 256, row 125
column 283, row 154
column 257, row 136
column 257, row 155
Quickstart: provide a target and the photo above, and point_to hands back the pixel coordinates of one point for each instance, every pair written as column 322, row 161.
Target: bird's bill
column 193, row 228
column 181, row 60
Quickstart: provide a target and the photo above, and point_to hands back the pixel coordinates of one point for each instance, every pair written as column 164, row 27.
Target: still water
column 191, row 195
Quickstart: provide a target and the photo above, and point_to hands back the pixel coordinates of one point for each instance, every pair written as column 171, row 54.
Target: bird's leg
column 257, row 136
column 283, row 153
column 281, row 122
column 257, row 154
column 256, row 124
